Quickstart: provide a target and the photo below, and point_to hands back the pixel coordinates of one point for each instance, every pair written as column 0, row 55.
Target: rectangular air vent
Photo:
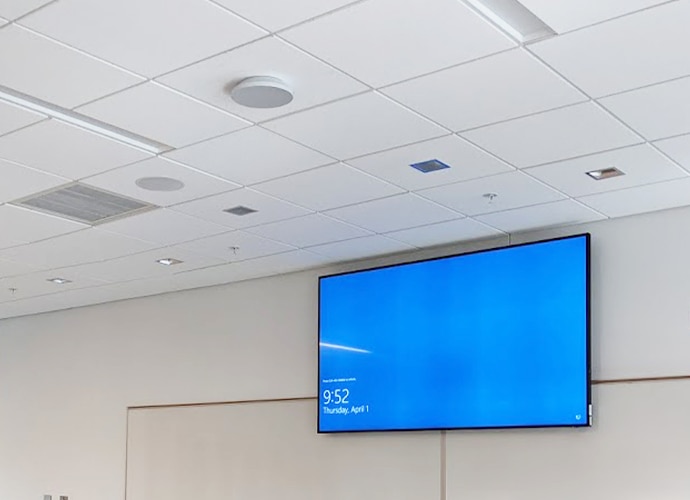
column 240, row 210
column 83, row 203
column 429, row 166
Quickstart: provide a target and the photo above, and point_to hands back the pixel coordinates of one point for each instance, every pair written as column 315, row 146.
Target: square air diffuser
column 240, row 210
column 429, row 166
column 83, row 203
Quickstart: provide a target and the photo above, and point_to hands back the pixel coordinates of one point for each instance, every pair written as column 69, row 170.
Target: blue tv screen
column 491, row 339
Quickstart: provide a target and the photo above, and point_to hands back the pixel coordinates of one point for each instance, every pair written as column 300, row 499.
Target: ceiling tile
column 33, row 305
column 13, row 9
column 310, row 230
column 275, row 15
column 554, row 135
column 89, row 245
column 6, row 310
column 36, row 284
column 514, row 189
column 642, row 165
column 560, row 213
column 196, row 184
column 268, row 209
column 655, row 112
column 249, row 156
column 48, row 71
column 637, row 200
column 13, row 117
column 10, row 268
column 6, row 241
column 444, row 233
column 567, row 15
column 20, row 226
column 360, row 248
column 66, row 150
column 297, row 260
column 356, row 126
column 282, row 263
column 236, row 246
column 380, row 43
column 160, row 35
column 614, row 69
column 328, row 187
column 394, row 213
column 150, row 110
column 677, row 148
column 163, row 227
column 86, row 296
column 144, row 265
column 311, row 81
column 465, row 160
column 489, row 90
column 19, row 181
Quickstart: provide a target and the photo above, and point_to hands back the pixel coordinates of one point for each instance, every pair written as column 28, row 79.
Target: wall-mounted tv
column 491, row 339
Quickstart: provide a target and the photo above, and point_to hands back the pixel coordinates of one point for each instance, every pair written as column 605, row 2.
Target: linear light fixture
column 79, row 120
column 513, row 18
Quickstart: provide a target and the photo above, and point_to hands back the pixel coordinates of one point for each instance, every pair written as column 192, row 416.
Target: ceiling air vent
column 84, row 204
column 240, row 210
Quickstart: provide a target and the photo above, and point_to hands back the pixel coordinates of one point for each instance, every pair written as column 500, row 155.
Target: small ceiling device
column 262, row 92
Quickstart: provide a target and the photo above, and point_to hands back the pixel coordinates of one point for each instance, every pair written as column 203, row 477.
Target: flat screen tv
column 490, row 339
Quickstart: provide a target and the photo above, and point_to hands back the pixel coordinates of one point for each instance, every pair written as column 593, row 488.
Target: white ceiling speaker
column 159, row 184
column 262, row 92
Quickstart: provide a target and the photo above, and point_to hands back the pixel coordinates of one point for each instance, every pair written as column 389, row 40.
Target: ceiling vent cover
column 240, row 210
column 84, row 204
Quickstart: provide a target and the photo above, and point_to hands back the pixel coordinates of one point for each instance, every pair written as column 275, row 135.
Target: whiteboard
column 271, row 451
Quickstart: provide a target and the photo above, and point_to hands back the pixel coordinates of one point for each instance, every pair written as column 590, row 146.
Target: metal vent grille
column 240, row 210
column 84, row 204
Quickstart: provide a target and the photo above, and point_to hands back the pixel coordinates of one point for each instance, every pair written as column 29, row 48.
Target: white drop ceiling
column 377, row 87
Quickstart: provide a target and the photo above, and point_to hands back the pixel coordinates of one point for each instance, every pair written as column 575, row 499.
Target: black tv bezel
column 588, row 342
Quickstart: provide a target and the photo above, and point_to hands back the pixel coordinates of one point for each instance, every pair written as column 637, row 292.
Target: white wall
column 66, row 378
column 637, row 450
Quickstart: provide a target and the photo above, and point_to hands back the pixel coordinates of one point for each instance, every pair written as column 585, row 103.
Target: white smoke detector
column 262, row 92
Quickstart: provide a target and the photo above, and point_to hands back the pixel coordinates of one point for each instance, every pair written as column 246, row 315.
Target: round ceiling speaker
column 159, row 184
column 261, row 92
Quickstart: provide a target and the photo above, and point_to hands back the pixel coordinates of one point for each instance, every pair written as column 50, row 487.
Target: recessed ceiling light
column 240, row 210
column 169, row 262
column 513, row 18
column 606, row 173
column 429, row 166
column 59, row 281
column 262, row 92
column 159, row 184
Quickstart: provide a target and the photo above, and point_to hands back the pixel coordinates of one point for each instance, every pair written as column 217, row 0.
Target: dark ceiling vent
column 429, row 166
column 240, row 210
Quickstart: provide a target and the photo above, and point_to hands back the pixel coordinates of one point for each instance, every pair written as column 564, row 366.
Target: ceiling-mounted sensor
column 262, row 92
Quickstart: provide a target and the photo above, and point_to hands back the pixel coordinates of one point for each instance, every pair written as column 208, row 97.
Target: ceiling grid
column 243, row 192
